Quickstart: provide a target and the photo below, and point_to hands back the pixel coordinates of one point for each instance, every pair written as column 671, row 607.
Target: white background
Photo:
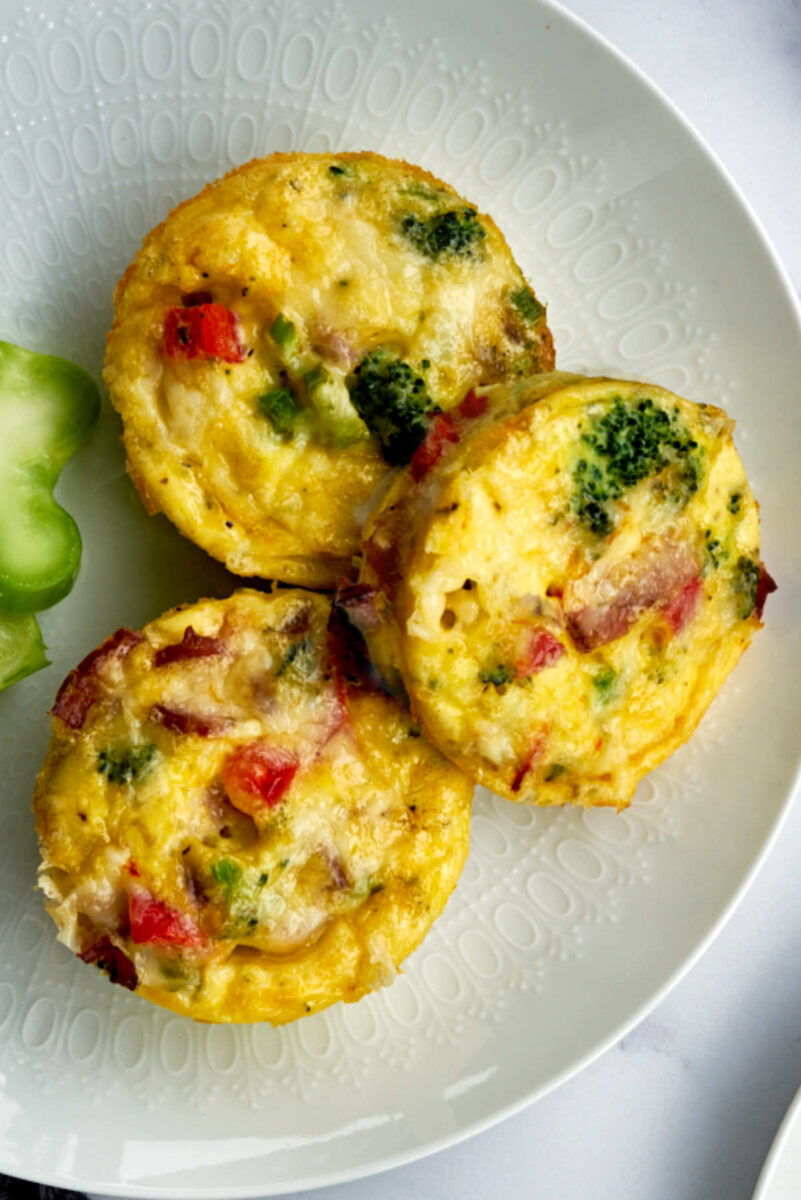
column 685, row 1107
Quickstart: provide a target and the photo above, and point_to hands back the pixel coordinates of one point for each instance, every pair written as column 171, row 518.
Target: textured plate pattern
column 110, row 114
column 534, row 879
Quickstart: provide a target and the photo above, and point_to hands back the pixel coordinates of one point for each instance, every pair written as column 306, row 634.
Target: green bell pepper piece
column 47, row 406
column 22, row 650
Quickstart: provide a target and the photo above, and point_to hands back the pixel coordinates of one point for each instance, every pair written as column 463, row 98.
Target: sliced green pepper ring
column 47, row 406
column 22, row 650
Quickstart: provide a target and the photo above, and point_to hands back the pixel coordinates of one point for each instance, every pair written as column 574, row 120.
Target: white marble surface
column 685, row 1107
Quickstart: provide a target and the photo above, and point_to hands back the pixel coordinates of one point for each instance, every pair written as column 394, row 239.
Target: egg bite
column 562, row 581
column 236, row 821
column 283, row 337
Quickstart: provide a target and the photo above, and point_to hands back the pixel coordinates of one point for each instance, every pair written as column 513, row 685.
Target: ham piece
column 604, row 604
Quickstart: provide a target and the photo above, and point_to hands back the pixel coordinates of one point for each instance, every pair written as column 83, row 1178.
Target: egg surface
column 564, row 582
column 283, row 336
column 235, row 822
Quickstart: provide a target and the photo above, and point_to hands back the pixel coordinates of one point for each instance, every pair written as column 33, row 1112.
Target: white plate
column 566, row 926
column 780, row 1178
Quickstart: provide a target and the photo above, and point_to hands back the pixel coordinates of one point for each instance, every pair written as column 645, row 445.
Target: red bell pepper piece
column 257, row 775
column 203, row 331
column 473, row 405
column 154, row 923
column 441, row 429
column 535, row 755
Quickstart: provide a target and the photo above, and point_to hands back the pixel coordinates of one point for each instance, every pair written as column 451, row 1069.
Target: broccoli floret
column 126, row 766
column 605, row 684
column 281, row 408
column 631, row 442
column 714, row 548
column 497, row 676
column 457, row 233
column 686, row 479
column 524, row 301
column 745, row 582
column 393, row 402
column 734, row 503
column 592, row 495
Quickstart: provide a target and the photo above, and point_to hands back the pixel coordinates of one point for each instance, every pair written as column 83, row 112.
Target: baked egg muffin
column 290, row 332
column 562, row 580
column 236, row 821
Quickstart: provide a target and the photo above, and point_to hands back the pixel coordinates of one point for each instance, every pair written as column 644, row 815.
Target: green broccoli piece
column 714, row 548
column 497, row 675
column 628, row 443
column 281, row 408
column 605, row 684
column 126, row 766
column 456, row 233
column 745, row 582
column 593, row 493
column 686, row 479
column 734, row 503
column 524, row 301
column 393, row 403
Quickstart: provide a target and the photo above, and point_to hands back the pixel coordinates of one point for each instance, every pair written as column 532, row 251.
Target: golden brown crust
column 229, row 481
column 551, row 663
column 273, row 913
